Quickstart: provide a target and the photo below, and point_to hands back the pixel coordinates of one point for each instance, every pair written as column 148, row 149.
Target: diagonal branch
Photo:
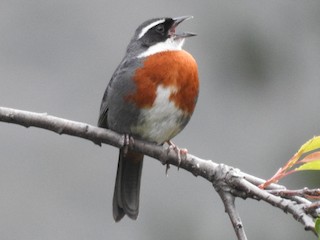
column 223, row 189
column 227, row 179
column 228, row 200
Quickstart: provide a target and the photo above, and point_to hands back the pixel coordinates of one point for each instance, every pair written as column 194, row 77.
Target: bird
column 151, row 97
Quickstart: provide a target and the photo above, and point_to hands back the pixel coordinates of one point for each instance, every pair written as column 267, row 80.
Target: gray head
column 157, row 35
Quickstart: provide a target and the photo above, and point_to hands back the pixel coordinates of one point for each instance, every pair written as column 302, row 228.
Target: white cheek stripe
column 147, row 28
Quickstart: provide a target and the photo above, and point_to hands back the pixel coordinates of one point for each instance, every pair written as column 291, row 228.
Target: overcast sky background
column 259, row 101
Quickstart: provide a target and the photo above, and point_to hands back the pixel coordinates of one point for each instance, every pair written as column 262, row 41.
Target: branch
column 305, row 192
column 228, row 181
column 228, row 200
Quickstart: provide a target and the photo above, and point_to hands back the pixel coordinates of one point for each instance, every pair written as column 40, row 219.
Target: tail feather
column 127, row 186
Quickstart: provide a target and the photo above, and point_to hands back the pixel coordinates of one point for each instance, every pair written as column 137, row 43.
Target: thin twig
column 305, row 192
column 295, row 209
column 312, row 208
column 228, row 200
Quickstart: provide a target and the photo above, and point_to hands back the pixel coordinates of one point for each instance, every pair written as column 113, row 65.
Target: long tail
column 127, row 187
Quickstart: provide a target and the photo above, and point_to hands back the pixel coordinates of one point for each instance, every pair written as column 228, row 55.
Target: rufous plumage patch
column 176, row 69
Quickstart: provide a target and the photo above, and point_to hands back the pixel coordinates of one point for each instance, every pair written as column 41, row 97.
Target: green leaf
column 312, row 144
column 315, row 165
column 317, row 227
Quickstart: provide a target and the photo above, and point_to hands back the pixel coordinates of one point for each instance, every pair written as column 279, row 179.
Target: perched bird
column 151, row 96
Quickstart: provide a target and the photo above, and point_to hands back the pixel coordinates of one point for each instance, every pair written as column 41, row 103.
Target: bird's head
column 157, row 35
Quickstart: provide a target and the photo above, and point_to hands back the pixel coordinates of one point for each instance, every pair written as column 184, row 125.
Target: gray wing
column 113, row 106
column 103, row 122
column 104, row 107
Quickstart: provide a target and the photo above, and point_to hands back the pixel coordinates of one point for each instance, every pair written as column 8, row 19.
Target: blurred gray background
column 259, row 101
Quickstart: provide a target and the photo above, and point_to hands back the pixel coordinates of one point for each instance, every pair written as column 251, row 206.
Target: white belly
column 162, row 121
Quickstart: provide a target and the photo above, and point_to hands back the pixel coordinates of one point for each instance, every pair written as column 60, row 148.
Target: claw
column 127, row 141
column 167, row 169
column 181, row 152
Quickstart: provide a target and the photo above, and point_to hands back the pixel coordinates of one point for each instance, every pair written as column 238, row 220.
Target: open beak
column 176, row 22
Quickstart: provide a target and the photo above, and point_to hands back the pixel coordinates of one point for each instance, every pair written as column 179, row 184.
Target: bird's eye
column 160, row 29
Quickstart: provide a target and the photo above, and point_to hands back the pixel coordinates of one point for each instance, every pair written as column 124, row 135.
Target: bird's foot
column 127, row 142
column 181, row 152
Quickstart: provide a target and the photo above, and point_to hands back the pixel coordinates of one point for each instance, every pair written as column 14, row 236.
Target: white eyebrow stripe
column 147, row 28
